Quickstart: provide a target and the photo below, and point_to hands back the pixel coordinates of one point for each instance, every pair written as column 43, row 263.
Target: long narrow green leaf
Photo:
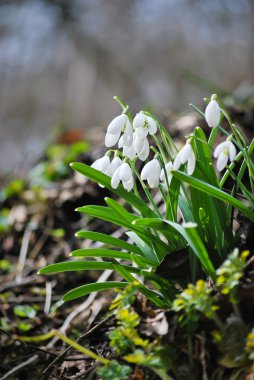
column 105, row 180
column 145, row 248
column 67, row 266
column 191, row 236
column 110, row 253
column 214, row 192
column 90, row 288
column 109, row 240
column 107, row 214
column 120, row 210
column 100, row 252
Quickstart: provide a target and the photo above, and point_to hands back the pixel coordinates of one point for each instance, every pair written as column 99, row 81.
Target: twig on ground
column 13, row 284
column 104, row 276
column 23, row 255
column 48, row 297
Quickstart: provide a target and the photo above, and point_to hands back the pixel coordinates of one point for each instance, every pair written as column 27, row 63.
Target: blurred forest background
column 62, row 61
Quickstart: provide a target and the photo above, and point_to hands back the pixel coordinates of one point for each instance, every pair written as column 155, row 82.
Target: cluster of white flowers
column 132, row 138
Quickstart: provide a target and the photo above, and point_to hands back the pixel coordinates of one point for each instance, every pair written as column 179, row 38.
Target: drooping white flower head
column 128, row 151
column 223, row 152
column 123, row 174
column 168, row 169
column 118, row 125
column 144, row 124
column 115, row 164
column 141, row 146
column 102, row 164
column 151, row 173
column 212, row 114
column 186, row 155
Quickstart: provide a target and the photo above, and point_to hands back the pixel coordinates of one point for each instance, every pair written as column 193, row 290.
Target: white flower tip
column 212, row 114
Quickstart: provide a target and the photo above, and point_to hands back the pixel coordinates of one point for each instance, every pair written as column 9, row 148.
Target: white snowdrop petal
column 120, row 142
column 146, row 171
column 222, row 161
column 169, row 167
column 191, row 163
column 129, row 152
column 177, row 162
column 125, row 172
column 117, row 124
column 128, row 136
column 162, row 175
column 145, row 152
column 139, row 120
column 102, row 164
column 115, row 164
column 129, row 184
column 138, row 144
column 232, row 151
column 185, row 153
column 115, row 179
column 212, row 113
column 111, row 140
column 142, row 132
column 152, row 126
column 219, row 148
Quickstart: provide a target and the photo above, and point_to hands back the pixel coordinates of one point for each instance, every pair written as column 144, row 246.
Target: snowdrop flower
column 123, row 174
column 127, row 151
column 141, row 146
column 224, row 151
column 168, row 168
column 151, row 172
column 102, row 164
column 115, row 164
column 144, row 124
column 186, row 155
column 118, row 125
column 212, row 114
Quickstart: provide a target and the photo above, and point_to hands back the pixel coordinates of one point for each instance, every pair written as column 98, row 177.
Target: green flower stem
column 120, row 102
column 64, row 338
column 160, row 148
column 161, row 373
column 212, row 136
column 80, row 348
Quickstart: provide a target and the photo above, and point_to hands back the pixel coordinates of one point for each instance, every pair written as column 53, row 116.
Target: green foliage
column 14, row 187
column 126, row 340
column 24, row 311
column 4, row 220
column 196, row 298
column 57, row 159
column 114, row 371
column 231, row 271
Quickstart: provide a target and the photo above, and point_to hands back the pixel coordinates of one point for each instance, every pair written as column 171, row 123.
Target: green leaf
column 110, row 240
column 145, row 248
column 191, row 236
column 105, row 180
column 24, row 311
column 105, row 213
column 100, row 252
column 110, row 253
column 214, row 192
column 89, row 288
column 66, row 266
